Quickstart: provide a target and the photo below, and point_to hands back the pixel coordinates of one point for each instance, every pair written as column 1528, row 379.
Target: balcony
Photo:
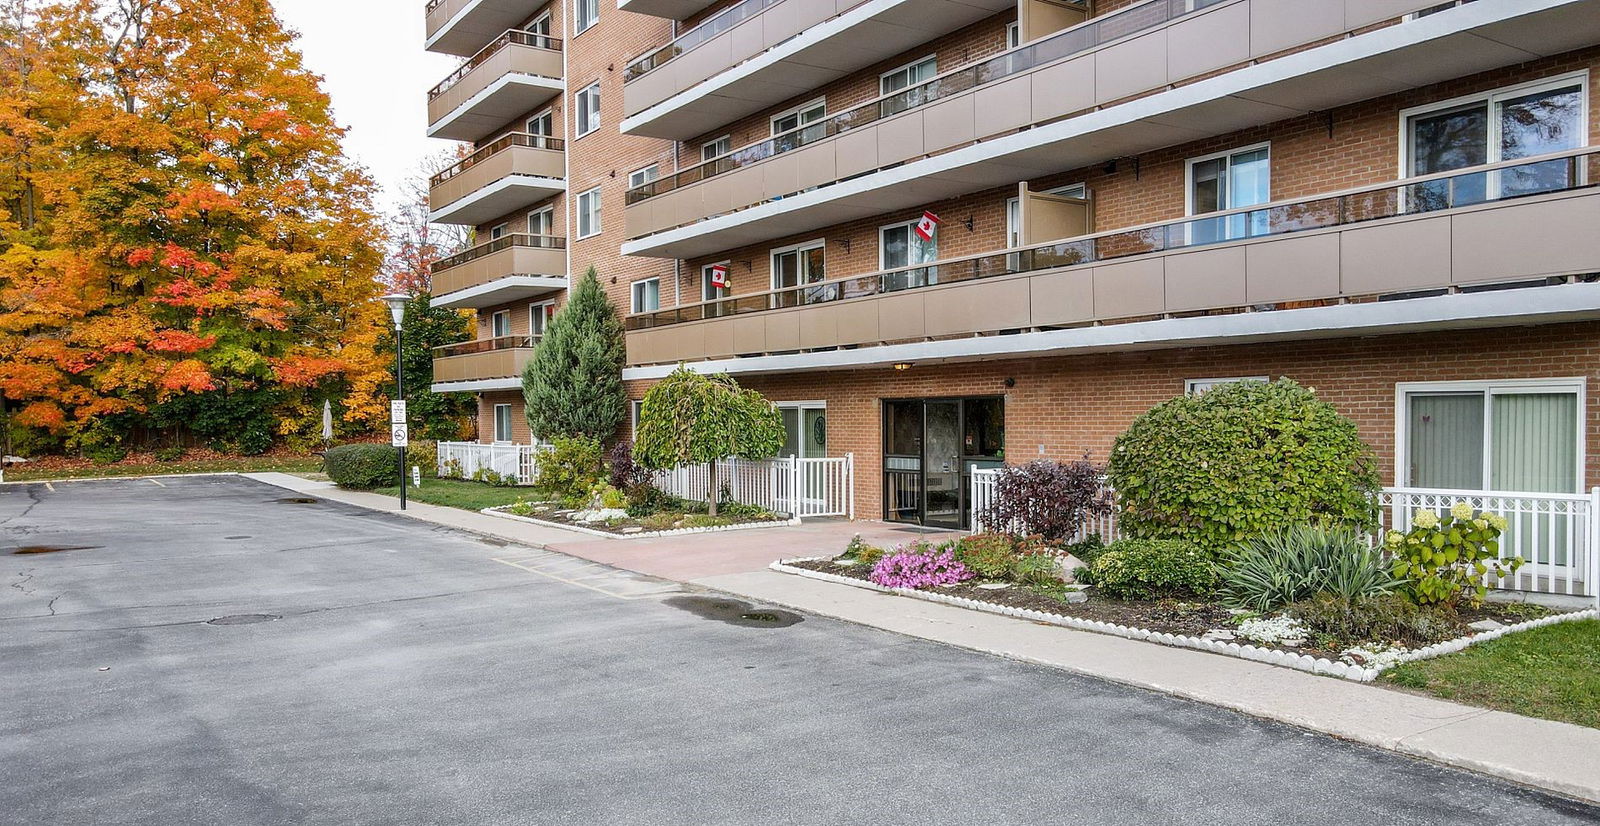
column 515, row 171
column 781, row 48
column 506, row 269
column 511, row 76
column 674, row 9
column 1032, row 111
column 1246, row 272
column 488, row 364
column 460, row 27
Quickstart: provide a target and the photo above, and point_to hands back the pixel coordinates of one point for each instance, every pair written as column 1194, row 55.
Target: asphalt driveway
column 212, row 652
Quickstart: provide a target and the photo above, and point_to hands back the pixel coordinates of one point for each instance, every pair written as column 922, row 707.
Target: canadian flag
column 719, row 276
column 927, row 225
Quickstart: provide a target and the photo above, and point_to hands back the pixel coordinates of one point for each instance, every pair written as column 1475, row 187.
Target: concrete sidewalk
column 1553, row 756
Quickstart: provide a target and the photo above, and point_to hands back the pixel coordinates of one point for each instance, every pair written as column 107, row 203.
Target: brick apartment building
column 1386, row 200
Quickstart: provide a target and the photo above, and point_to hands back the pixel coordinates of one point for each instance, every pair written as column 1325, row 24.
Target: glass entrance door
column 930, row 447
column 941, row 463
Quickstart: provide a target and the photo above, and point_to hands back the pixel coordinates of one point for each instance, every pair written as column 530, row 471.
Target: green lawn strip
column 1551, row 672
column 455, row 493
column 232, row 464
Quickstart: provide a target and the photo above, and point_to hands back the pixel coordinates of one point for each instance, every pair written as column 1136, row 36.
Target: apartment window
column 542, row 222
column 905, row 77
column 502, row 422
column 717, row 148
column 797, row 266
column 640, row 177
column 711, row 292
column 589, row 109
column 543, row 123
column 1501, row 125
column 500, row 324
column 634, row 406
column 647, row 295
column 539, row 316
column 1194, row 387
column 1013, row 35
column 498, row 231
column 589, row 213
column 1229, row 180
column 784, row 124
column 1491, row 435
column 899, row 245
column 540, row 26
column 586, row 13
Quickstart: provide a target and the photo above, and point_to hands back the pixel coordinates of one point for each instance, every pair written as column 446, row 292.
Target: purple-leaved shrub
column 919, row 567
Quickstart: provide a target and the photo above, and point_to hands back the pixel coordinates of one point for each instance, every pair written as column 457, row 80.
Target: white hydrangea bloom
column 1425, row 519
column 1461, row 510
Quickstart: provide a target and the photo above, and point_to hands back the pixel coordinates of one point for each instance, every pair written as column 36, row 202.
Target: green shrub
column 424, row 454
column 862, row 552
column 1293, row 564
column 1385, row 618
column 571, row 467
column 1087, row 550
column 170, row 453
column 606, row 496
column 1241, row 460
column 100, row 442
column 494, row 478
column 1443, row 559
column 703, row 520
column 989, row 555
column 1152, row 568
column 363, row 466
column 1036, row 570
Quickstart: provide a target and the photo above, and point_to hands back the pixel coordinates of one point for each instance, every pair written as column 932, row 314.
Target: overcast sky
column 370, row 55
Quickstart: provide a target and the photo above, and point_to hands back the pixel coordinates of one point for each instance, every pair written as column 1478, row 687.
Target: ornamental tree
column 573, row 384
column 1239, row 461
column 689, row 418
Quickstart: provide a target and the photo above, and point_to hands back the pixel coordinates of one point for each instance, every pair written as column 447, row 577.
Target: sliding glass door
column 930, row 448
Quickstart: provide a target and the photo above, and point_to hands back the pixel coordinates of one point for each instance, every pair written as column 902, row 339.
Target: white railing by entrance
column 788, row 485
column 1556, row 534
column 465, row 460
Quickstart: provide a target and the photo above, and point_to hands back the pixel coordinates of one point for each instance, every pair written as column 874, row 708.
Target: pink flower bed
column 913, row 569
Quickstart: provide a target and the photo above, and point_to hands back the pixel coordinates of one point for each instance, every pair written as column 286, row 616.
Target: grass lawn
column 227, row 464
column 1551, row 672
column 456, row 493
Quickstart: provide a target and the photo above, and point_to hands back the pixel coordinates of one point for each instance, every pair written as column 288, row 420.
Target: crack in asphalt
column 33, row 502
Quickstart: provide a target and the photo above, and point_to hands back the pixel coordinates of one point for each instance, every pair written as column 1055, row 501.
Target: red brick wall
column 1077, row 404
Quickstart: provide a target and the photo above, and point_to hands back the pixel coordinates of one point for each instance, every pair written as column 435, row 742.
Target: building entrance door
column 930, row 448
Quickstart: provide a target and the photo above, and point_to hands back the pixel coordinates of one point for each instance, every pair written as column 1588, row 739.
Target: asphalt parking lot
column 209, row 650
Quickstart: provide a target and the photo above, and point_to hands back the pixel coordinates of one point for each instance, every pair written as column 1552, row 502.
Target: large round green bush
column 363, row 466
column 1241, row 460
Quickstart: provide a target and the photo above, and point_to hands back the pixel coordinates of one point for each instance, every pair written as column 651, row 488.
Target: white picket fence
column 463, row 460
column 789, row 485
column 1556, row 534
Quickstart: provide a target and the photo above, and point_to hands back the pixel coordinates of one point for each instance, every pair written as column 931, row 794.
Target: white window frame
column 1013, row 34
column 510, row 430
column 550, row 113
column 596, row 228
column 1576, row 385
column 542, row 17
column 800, row 408
column 911, row 229
column 633, row 294
column 550, row 219
column 494, row 320
column 705, row 282
column 1490, row 97
column 581, row 22
column 535, row 310
column 913, row 64
column 499, row 231
column 634, row 406
column 640, row 177
column 713, row 144
column 1194, row 387
column 1188, row 174
column 582, row 101
column 772, row 259
column 818, row 103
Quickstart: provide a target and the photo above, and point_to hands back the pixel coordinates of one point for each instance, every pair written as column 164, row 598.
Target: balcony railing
column 1080, row 38
column 713, row 26
column 517, row 36
column 495, row 148
column 486, row 345
column 1551, row 173
column 504, row 242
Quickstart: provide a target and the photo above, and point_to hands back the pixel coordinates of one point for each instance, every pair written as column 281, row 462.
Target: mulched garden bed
column 1167, row 616
column 630, row 527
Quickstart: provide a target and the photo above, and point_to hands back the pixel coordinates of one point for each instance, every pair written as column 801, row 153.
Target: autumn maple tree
column 182, row 242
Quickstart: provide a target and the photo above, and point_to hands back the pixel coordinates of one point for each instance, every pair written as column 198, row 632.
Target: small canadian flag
column 927, row 225
column 719, row 276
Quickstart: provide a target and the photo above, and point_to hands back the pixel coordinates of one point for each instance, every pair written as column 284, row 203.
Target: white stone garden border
column 741, row 526
column 1270, row 656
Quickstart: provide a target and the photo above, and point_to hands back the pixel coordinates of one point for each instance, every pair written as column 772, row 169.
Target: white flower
column 1425, row 519
column 1279, row 630
column 1385, row 657
column 1495, row 519
column 1461, row 510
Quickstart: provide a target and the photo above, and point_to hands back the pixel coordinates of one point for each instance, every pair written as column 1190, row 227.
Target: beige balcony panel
column 1129, row 289
column 523, row 162
column 856, row 151
column 719, row 339
column 512, row 58
column 511, row 82
column 640, row 218
column 900, row 316
column 783, row 330
column 1051, row 217
column 512, row 261
column 1208, row 278
column 1276, row 25
column 749, row 334
column 1516, row 239
column 1292, row 269
column 1003, row 106
column 819, row 327
column 1065, row 297
column 779, row 175
column 858, row 322
column 949, row 122
column 647, row 90
column 705, row 60
column 1064, row 87
column 1132, row 66
column 1208, row 41
column 645, row 346
column 1406, row 254
column 484, row 21
column 976, row 306
column 900, row 138
column 496, row 364
column 816, row 165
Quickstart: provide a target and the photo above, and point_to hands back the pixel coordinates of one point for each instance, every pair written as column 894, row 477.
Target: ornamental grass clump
column 919, row 566
column 1445, row 559
column 1280, row 567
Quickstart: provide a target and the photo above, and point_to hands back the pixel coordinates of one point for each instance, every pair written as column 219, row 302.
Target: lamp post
column 397, row 309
